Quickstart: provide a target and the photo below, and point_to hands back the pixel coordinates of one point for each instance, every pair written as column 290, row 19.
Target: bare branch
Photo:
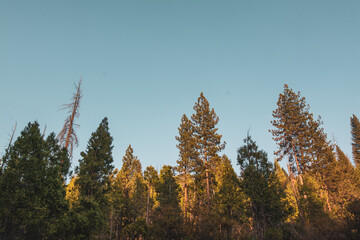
column 67, row 135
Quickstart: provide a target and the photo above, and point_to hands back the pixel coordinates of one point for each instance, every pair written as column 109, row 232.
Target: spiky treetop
column 32, row 198
column 167, row 187
column 205, row 120
column 151, row 176
column 250, row 156
column 355, row 133
column 187, row 147
column 96, row 163
column 290, row 122
column 131, row 164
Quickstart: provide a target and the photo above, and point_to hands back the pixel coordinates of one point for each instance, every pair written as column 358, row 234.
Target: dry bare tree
column 3, row 161
column 67, row 136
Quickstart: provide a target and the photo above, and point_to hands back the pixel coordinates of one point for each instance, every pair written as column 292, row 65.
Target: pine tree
column 131, row 167
column 301, row 138
column 312, row 202
column 343, row 183
column 290, row 200
column 133, row 213
column 322, row 157
column 188, row 156
column 151, row 178
column 94, row 183
column 96, row 163
column 167, row 221
column 261, row 185
column 343, row 160
column 322, row 152
column 208, row 141
column 120, row 206
column 355, row 133
column 139, row 197
column 230, row 201
column 32, row 200
column 291, row 130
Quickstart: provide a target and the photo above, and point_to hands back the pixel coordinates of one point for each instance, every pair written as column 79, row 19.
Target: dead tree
column 4, row 160
column 67, row 137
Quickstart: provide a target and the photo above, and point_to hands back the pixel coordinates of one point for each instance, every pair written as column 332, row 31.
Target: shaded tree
column 261, row 185
column 93, row 181
column 167, row 222
column 32, row 200
column 230, row 201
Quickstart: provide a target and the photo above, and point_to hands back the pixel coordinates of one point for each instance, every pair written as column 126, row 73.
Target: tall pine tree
column 188, row 156
column 208, row 142
column 94, row 184
column 133, row 213
column 151, row 178
column 355, row 133
column 131, row 167
column 291, row 131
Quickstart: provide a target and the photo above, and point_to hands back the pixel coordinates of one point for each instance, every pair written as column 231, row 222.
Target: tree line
column 201, row 197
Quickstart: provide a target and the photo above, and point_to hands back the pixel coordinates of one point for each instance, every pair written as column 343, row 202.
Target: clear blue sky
column 144, row 64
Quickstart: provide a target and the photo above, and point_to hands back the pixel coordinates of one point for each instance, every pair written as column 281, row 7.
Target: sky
column 145, row 63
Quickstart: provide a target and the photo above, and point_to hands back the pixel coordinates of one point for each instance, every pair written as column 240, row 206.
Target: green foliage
column 263, row 188
column 92, row 212
column 355, row 134
column 129, row 198
column 315, row 221
column 32, row 200
column 187, row 147
column 131, row 168
column 206, row 200
column 354, row 219
column 96, row 163
column 291, row 131
column 151, row 178
column 167, row 222
column 312, row 199
column 208, row 144
column 289, row 200
column 230, row 201
column 139, row 197
column 188, row 160
column 343, row 184
column 136, row 230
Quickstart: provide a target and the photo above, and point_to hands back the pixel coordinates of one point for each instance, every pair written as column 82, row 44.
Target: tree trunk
column 294, row 190
column 297, row 164
column 111, row 223
column 147, row 207
column 186, row 202
column 207, row 187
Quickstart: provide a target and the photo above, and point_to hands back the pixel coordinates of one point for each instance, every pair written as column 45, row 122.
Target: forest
column 316, row 196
